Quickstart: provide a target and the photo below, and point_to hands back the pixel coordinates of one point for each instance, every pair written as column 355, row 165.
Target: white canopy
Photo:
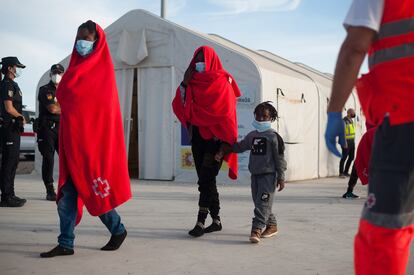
column 150, row 56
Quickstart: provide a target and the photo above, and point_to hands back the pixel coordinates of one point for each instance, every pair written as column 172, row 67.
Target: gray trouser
column 263, row 189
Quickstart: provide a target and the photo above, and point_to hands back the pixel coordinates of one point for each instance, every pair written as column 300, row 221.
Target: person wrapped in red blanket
column 205, row 103
column 93, row 167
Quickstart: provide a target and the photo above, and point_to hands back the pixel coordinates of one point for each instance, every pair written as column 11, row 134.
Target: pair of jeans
column 263, row 190
column 67, row 209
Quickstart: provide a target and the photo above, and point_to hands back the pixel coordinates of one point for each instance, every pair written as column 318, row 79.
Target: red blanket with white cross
column 91, row 137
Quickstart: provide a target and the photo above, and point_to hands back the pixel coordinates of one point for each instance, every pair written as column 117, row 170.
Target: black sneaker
column 57, row 251
column 215, row 226
column 350, row 195
column 346, row 175
column 197, row 231
column 19, row 199
column 50, row 192
column 342, row 176
column 12, row 202
column 115, row 242
column 51, row 196
column 354, row 196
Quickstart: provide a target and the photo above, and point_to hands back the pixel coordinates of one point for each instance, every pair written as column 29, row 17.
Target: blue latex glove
column 335, row 128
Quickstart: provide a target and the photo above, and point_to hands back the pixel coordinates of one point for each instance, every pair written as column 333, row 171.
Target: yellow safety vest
column 349, row 130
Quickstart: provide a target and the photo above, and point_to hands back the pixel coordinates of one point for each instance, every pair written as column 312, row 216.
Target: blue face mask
column 84, row 47
column 261, row 126
column 200, row 67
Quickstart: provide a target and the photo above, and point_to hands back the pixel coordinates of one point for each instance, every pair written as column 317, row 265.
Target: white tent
column 150, row 56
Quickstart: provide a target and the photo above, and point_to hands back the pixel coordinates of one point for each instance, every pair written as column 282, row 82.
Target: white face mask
column 18, row 72
column 56, row 78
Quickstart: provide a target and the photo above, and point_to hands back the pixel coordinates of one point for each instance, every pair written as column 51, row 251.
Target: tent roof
column 261, row 59
column 324, row 77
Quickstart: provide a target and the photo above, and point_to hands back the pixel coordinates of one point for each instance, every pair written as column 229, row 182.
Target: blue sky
column 42, row 32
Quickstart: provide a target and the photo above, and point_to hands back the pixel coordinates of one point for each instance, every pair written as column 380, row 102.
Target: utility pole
column 163, row 8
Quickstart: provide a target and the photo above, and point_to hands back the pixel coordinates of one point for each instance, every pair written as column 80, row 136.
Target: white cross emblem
column 101, row 187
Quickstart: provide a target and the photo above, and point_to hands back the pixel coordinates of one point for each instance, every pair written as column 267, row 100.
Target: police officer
column 49, row 116
column 13, row 121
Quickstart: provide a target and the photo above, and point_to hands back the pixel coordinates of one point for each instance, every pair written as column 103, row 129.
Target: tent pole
column 277, row 106
column 163, row 8
column 278, row 92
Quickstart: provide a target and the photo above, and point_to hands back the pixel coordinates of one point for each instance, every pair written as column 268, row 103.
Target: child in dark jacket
column 267, row 166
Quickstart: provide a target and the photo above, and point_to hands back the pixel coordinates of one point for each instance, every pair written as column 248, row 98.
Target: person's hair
column 267, row 106
column 90, row 26
column 350, row 110
column 5, row 69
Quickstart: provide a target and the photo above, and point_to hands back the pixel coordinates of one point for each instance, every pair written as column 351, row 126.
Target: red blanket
column 210, row 104
column 91, row 140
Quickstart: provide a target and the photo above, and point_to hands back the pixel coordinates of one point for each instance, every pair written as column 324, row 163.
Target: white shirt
column 365, row 13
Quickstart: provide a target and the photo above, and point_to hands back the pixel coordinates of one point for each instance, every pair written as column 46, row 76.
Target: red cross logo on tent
column 101, row 187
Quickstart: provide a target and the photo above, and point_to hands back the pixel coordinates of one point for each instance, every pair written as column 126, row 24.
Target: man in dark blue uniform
column 11, row 112
column 47, row 138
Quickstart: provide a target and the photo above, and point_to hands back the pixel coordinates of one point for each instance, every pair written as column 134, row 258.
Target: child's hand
column 219, row 156
column 225, row 148
column 280, row 184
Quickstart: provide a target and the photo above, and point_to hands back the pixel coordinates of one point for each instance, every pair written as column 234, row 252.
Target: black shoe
column 353, row 196
column 347, row 175
column 51, row 196
column 12, row 202
column 350, row 195
column 115, row 242
column 198, row 230
column 57, row 251
column 50, row 192
column 19, row 199
column 215, row 226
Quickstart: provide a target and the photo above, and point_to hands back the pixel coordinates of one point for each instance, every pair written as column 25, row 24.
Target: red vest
column 388, row 88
